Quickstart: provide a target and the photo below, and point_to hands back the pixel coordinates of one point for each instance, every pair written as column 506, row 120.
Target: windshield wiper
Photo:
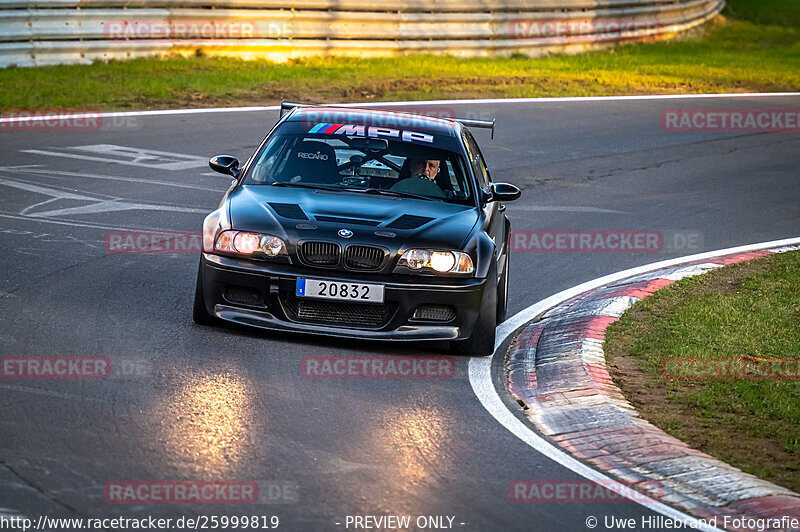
column 391, row 193
column 378, row 191
column 311, row 186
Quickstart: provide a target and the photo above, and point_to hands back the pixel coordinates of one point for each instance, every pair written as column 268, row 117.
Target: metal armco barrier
column 41, row 32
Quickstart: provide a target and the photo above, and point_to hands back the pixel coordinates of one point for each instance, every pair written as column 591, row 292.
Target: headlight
column 439, row 261
column 416, row 259
column 247, row 243
column 442, row 261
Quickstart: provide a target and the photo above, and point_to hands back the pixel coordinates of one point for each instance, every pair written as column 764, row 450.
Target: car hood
column 395, row 222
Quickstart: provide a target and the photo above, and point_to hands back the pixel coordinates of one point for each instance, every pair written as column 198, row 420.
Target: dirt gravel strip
column 556, row 370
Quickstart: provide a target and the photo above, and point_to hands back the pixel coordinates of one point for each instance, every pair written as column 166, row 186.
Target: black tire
column 199, row 313
column 481, row 343
column 502, row 290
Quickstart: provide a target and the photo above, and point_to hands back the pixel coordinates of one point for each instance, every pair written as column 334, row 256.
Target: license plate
column 340, row 291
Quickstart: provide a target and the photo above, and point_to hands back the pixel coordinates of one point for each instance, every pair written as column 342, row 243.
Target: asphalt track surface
column 224, row 404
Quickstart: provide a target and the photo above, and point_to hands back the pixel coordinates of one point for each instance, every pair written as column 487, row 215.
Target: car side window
column 476, row 159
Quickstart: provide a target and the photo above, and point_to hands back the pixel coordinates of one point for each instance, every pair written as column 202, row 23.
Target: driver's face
column 428, row 168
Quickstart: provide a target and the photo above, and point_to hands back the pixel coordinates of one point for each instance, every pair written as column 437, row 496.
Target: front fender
column 482, row 248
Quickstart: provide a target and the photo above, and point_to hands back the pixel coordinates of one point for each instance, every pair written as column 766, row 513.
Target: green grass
column 745, row 311
column 754, row 47
column 775, row 12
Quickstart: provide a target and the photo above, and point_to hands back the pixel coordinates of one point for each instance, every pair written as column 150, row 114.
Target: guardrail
column 39, row 32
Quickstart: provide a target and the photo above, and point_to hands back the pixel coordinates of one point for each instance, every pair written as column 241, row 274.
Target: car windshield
column 365, row 164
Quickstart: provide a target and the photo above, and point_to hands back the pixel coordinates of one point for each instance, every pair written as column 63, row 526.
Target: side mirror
column 505, row 192
column 225, row 164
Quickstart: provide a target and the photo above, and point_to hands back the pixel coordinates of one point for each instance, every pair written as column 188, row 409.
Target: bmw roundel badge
column 345, row 233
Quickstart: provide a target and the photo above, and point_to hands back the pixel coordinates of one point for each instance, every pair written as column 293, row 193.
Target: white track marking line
column 416, row 103
column 47, row 393
column 59, row 173
column 136, row 157
column 45, row 202
column 82, row 225
column 480, row 372
column 115, row 206
column 97, row 205
column 162, row 160
column 49, row 191
column 562, row 208
column 67, row 155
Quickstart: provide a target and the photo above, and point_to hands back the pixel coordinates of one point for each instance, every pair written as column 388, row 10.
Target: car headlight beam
column 246, row 243
column 442, row 261
column 249, row 244
column 437, row 261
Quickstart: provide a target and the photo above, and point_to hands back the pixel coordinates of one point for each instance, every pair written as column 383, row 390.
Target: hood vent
column 409, row 221
column 352, row 221
column 289, row 210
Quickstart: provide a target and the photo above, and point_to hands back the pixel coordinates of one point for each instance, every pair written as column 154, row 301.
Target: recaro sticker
column 318, row 155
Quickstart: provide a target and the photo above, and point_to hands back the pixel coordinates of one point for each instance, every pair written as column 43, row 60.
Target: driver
column 422, row 182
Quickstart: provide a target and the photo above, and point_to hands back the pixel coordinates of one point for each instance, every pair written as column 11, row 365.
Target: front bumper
column 271, row 289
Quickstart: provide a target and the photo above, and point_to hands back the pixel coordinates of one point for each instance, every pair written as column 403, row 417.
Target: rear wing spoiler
column 288, row 106
column 486, row 124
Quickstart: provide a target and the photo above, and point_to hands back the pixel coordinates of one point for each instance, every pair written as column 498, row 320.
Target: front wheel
column 481, row 343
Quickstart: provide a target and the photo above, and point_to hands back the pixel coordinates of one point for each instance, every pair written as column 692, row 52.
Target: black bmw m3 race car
column 363, row 224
